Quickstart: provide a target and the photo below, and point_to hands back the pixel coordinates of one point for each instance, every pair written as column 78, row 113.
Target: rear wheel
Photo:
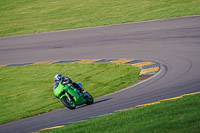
column 89, row 98
column 70, row 104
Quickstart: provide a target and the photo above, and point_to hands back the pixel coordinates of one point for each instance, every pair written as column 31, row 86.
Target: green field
column 176, row 116
column 33, row 16
column 28, row 90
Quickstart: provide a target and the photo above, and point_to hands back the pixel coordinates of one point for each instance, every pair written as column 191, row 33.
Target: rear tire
column 89, row 98
column 69, row 104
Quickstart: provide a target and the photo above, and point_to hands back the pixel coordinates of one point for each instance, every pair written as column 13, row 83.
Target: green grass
column 28, row 90
column 32, row 16
column 176, row 116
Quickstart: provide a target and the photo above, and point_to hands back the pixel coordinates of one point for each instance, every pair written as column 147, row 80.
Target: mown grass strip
column 27, row 90
column 175, row 116
column 33, row 16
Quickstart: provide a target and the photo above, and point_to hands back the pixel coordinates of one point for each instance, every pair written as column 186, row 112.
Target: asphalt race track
column 175, row 43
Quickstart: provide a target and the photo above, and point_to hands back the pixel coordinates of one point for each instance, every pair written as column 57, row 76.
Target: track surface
column 175, row 43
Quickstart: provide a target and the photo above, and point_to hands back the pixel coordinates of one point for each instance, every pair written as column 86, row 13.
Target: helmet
column 58, row 77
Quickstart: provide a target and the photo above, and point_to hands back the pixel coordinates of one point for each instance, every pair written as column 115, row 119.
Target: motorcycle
column 71, row 96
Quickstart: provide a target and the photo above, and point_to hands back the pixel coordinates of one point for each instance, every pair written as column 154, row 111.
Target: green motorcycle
column 71, row 96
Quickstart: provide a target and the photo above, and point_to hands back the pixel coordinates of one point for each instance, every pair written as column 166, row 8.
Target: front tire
column 67, row 103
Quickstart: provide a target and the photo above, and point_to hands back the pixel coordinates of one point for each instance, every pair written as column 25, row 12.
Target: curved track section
column 175, row 43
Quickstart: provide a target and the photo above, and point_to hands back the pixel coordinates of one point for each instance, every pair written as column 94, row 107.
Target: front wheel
column 70, row 104
column 89, row 98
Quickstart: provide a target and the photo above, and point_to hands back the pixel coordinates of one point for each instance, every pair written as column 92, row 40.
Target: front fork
column 68, row 97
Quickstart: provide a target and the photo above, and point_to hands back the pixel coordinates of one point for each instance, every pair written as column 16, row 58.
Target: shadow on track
column 96, row 102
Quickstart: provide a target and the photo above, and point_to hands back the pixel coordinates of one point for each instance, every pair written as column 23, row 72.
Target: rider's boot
column 82, row 90
column 78, row 87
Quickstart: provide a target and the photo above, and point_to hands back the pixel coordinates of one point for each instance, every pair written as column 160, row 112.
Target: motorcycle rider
column 66, row 80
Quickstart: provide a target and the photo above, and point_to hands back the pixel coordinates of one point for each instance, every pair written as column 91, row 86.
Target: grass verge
column 27, row 90
column 33, row 16
column 175, row 116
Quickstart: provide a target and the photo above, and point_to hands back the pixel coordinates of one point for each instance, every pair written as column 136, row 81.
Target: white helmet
column 58, row 77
